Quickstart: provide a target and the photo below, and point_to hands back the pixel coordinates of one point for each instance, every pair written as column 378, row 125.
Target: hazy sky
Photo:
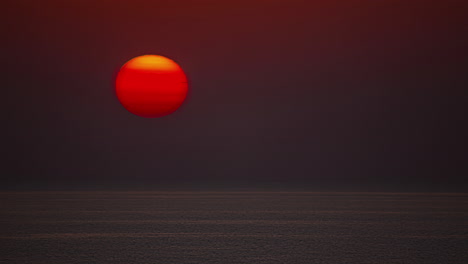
column 302, row 92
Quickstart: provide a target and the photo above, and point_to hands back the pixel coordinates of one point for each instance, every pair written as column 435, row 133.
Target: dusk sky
column 309, row 93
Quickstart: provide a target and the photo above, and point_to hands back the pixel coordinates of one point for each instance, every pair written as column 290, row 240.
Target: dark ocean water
column 232, row 227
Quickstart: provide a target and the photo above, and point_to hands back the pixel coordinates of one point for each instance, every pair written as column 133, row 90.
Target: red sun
column 151, row 86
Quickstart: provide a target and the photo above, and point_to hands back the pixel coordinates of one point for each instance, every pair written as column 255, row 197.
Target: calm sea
column 233, row 227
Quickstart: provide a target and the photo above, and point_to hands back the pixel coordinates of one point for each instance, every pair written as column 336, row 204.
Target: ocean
column 232, row 227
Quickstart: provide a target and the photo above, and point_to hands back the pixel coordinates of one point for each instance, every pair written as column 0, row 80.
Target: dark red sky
column 303, row 92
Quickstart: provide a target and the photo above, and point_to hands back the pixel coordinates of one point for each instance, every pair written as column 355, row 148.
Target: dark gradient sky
column 347, row 93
